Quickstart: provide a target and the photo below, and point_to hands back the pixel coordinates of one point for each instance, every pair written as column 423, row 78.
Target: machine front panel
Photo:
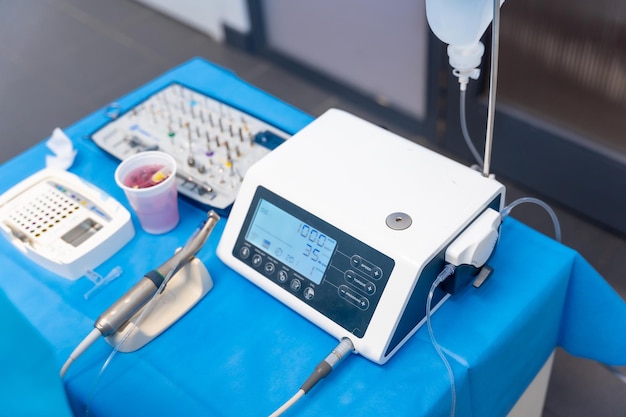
column 313, row 261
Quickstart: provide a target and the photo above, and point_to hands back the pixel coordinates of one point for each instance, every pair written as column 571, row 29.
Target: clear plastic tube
column 445, row 273
column 557, row 233
column 485, row 162
column 127, row 332
column 555, row 220
column 171, row 266
column 466, row 135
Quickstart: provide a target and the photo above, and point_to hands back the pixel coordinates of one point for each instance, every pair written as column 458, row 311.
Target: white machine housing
column 389, row 208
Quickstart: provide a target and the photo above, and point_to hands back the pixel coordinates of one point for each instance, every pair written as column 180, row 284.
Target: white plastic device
column 348, row 224
column 188, row 286
column 475, row 245
column 63, row 223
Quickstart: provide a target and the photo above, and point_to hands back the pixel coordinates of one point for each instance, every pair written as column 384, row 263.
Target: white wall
column 207, row 16
column 377, row 47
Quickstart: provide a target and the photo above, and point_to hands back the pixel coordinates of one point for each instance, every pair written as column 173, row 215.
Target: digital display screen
column 291, row 241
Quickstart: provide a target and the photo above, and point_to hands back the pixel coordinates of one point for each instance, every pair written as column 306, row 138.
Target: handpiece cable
column 343, row 349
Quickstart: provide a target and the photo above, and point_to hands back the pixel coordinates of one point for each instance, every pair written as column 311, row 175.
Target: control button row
column 295, row 285
column 359, row 282
column 282, row 276
column 366, row 267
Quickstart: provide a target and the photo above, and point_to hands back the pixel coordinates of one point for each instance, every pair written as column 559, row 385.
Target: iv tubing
column 557, row 233
column 174, row 265
column 555, row 220
column 127, row 332
column 466, row 135
column 168, row 269
column 447, row 271
column 113, row 318
column 493, row 82
column 133, row 325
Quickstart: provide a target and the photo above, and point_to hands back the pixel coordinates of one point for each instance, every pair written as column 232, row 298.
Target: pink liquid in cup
column 146, row 176
column 159, row 214
column 148, row 182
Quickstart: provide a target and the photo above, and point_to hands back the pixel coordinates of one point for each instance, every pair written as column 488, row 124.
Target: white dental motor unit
column 349, row 225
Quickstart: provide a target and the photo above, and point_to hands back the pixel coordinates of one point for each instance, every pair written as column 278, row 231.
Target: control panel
column 332, row 272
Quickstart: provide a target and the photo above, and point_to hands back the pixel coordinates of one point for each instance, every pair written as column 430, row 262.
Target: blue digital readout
column 291, row 241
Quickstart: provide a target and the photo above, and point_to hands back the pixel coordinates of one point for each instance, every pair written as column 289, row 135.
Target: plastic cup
column 148, row 180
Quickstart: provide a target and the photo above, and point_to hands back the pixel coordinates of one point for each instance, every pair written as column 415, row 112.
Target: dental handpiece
column 139, row 295
column 135, row 298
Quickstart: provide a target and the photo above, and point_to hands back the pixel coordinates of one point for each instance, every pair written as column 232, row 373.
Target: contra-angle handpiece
column 141, row 293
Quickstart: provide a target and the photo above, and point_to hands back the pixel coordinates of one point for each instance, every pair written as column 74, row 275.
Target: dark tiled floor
column 62, row 59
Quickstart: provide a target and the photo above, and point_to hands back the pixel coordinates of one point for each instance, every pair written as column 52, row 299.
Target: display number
column 312, row 235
